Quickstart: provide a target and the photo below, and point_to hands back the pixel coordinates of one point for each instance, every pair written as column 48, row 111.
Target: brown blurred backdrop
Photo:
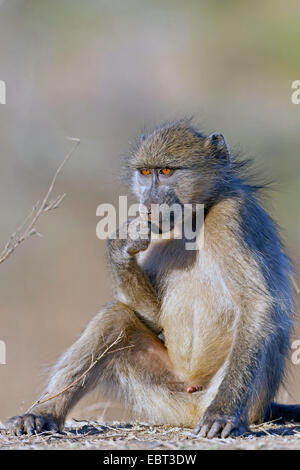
column 102, row 70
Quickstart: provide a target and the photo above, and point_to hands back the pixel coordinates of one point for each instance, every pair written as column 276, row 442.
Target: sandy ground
column 135, row 436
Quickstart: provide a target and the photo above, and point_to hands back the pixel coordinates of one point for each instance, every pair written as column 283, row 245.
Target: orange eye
column 145, row 172
column 166, row 171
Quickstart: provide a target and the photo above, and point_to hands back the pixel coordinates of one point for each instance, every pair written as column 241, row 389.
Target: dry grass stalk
column 27, row 228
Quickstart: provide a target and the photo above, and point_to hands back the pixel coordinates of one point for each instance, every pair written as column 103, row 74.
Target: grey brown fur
column 225, row 311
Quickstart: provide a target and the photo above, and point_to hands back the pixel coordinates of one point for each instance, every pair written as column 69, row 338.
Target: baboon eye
column 145, row 172
column 166, row 171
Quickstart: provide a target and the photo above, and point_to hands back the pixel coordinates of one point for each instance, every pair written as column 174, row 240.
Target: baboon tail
column 283, row 413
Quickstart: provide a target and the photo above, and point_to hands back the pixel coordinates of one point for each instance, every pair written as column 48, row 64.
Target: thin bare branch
column 82, row 376
column 27, row 228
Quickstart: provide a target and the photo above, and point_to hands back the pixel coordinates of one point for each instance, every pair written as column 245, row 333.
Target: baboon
column 204, row 334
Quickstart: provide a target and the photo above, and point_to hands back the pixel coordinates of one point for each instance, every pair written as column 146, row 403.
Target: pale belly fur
column 198, row 329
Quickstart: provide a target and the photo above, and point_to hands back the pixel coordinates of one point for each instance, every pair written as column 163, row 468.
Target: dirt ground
column 136, row 436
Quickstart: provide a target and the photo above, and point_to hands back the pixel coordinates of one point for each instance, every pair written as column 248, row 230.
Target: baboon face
column 175, row 165
column 155, row 188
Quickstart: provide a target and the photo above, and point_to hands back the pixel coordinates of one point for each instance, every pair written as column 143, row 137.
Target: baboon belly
column 198, row 331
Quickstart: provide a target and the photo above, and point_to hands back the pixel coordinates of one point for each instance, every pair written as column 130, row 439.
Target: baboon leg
column 136, row 369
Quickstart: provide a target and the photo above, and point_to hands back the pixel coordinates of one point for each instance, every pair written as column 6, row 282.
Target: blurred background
column 103, row 71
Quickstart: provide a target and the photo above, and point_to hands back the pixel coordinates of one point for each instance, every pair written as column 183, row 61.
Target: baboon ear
column 218, row 142
column 143, row 137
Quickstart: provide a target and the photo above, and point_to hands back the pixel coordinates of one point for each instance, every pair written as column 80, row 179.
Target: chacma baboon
column 204, row 334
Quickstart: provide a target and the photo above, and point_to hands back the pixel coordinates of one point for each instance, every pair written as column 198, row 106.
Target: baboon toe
column 31, row 424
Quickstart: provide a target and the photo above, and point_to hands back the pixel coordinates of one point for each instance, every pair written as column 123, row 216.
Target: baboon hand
column 135, row 246
column 32, row 424
column 130, row 239
column 214, row 424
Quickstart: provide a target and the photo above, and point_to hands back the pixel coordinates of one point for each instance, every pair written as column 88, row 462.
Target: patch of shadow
column 276, row 431
column 122, row 426
column 88, row 430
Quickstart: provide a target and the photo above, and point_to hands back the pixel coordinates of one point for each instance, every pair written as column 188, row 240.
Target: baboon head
column 176, row 164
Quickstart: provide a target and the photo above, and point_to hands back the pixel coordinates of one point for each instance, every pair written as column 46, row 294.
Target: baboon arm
column 135, row 290
column 244, row 378
column 132, row 285
column 244, row 371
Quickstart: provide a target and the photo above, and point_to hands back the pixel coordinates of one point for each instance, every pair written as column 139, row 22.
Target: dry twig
column 27, row 228
column 82, row 376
